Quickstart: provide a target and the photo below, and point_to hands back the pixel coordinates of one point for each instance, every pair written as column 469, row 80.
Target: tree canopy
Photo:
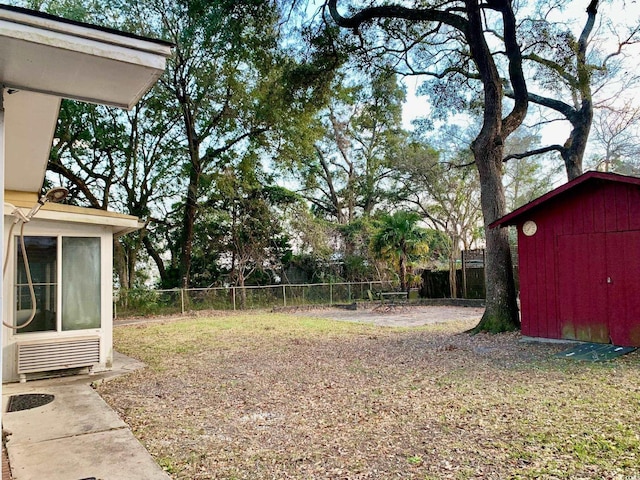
column 276, row 137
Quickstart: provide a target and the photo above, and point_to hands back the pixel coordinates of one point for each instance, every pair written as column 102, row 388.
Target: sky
column 616, row 11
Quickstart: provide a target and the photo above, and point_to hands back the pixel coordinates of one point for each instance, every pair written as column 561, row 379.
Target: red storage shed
column 579, row 260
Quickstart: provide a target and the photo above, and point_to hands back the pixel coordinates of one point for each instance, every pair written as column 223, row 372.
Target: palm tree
column 400, row 240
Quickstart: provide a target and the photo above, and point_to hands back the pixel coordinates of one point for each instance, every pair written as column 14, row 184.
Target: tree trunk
column 190, row 210
column 120, row 264
column 243, row 290
column 153, row 253
column 132, row 258
column 191, row 205
column 191, row 200
column 403, row 273
column 453, row 256
column 573, row 151
column 574, row 148
column 501, row 313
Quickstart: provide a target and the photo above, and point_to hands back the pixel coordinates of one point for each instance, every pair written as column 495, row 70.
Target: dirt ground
column 383, row 315
column 261, row 395
column 399, row 316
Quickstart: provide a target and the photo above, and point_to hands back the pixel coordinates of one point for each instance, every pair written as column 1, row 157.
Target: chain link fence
column 140, row 302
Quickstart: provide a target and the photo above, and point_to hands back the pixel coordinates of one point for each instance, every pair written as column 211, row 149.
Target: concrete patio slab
column 75, row 410
column 77, row 435
column 111, row 455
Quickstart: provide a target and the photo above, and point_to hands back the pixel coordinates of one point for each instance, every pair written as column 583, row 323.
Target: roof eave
column 514, row 217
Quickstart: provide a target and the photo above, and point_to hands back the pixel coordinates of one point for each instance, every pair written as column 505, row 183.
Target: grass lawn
column 277, row 396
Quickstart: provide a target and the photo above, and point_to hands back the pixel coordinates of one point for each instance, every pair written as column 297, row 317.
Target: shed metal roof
column 515, row 217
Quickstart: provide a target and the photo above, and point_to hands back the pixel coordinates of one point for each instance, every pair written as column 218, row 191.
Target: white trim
column 63, row 59
column 119, row 224
column 93, row 47
column 86, row 32
column 2, row 239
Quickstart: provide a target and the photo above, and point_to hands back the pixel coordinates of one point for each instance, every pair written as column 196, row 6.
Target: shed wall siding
column 588, row 209
column 623, row 301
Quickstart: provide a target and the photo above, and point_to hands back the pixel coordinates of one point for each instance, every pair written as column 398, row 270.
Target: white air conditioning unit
column 43, row 356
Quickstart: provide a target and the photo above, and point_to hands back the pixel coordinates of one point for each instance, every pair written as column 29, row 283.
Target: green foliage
column 361, row 132
column 358, row 268
column 436, row 176
column 311, row 268
column 231, row 91
column 78, row 10
column 243, row 222
column 146, row 302
column 439, row 245
column 400, row 241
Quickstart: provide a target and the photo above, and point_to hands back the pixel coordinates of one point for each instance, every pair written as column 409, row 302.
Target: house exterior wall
column 56, row 228
column 580, row 271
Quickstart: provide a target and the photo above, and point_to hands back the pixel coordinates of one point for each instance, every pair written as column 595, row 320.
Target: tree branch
column 531, row 153
column 516, row 74
column 395, row 11
column 559, row 106
column 554, row 66
column 57, row 167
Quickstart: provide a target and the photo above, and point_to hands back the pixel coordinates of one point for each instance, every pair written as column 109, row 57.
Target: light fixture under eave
column 54, row 195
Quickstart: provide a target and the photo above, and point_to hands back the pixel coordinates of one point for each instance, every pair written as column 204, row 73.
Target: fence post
column 182, row 300
column 284, row 295
column 233, row 296
column 464, row 255
column 330, row 293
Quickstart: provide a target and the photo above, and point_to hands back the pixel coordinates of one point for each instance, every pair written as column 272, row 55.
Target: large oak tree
column 460, row 25
column 572, row 76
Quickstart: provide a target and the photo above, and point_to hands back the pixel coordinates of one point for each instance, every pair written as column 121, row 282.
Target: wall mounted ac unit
column 42, row 356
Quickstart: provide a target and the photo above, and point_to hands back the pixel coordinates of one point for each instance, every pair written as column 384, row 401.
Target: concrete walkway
column 77, row 436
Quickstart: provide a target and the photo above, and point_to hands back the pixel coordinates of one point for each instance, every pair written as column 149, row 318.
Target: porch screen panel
column 80, row 283
column 42, row 255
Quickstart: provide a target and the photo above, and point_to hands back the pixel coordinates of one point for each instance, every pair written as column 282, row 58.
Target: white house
column 57, row 305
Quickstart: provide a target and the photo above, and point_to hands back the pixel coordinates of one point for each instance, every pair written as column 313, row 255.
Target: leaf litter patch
column 363, row 402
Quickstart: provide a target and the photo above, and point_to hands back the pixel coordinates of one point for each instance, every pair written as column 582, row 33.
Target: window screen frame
column 58, row 283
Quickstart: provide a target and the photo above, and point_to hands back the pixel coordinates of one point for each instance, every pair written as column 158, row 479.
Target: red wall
column 564, row 267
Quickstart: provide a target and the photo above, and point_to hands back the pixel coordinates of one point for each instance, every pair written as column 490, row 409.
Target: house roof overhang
column 518, row 215
column 119, row 223
column 44, row 59
column 51, row 55
column 30, row 120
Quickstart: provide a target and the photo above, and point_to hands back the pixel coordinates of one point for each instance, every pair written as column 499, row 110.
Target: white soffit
column 118, row 223
column 46, row 54
column 30, row 121
column 45, row 58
